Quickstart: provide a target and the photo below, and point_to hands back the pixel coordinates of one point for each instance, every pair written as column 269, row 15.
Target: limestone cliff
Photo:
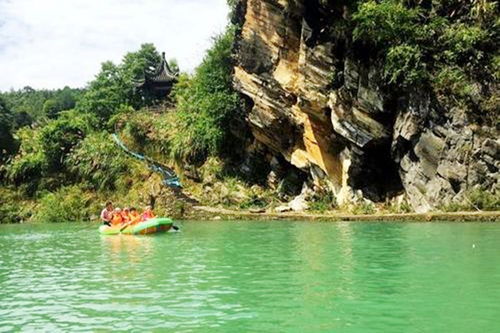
column 317, row 103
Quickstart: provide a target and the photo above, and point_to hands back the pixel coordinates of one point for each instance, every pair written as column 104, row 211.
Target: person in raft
column 126, row 215
column 107, row 214
column 148, row 214
column 117, row 217
column 134, row 216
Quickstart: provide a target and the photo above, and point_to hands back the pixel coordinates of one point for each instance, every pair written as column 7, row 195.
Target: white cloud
column 53, row 43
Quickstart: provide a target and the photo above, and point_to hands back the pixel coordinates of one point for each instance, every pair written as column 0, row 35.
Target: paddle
column 125, row 226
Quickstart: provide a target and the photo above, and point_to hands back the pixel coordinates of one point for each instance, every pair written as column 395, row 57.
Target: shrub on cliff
column 446, row 46
column 451, row 82
column 404, row 65
column 385, row 23
column 485, row 200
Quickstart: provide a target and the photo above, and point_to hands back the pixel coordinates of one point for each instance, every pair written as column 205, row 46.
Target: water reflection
column 127, row 247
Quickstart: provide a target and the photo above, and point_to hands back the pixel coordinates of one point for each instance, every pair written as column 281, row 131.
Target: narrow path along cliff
column 228, row 214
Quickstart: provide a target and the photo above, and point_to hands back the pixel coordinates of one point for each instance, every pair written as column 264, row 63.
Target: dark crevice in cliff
column 375, row 173
column 288, row 178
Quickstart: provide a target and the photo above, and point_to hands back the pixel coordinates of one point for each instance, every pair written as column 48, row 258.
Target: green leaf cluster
column 29, row 164
column 13, row 207
column 59, row 136
column 43, row 151
column 404, row 65
column 385, row 23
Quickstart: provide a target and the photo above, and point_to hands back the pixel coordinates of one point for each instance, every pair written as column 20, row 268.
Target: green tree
column 65, row 205
column 27, row 100
column 133, row 67
column 22, row 119
column 206, row 104
column 7, row 142
column 29, row 165
column 404, row 66
column 59, row 137
column 385, row 23
column 105, row 93
column 67, row 97
column 51, row 108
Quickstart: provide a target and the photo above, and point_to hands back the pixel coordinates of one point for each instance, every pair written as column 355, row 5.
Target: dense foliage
column 59, row 136
column 205, row 104
column 30, row 163
column 449, row 46
column 65, row 204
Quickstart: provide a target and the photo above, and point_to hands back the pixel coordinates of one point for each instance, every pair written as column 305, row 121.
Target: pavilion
column 159, row 81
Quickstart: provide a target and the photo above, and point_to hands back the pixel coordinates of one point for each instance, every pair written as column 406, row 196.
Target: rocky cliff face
column 318, row 104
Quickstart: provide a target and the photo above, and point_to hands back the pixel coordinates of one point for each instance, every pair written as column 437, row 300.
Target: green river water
column 253, row 277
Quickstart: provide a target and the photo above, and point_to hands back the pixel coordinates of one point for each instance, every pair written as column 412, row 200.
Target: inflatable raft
column 152, row 226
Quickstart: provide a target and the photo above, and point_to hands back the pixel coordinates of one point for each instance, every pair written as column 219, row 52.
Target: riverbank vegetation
column 58, row 161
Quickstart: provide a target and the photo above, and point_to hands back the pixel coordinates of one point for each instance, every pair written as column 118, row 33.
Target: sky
column 54, row 43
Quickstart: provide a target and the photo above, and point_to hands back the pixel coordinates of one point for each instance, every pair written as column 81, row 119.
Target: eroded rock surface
column 322, row 108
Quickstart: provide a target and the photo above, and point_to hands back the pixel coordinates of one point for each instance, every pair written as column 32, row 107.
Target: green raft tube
column 152, row 226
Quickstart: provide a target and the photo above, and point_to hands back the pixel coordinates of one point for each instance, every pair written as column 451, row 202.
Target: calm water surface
column 253, row 277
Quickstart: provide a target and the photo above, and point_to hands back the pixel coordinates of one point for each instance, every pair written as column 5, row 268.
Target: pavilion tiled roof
column 163, row 73
column 161, row 77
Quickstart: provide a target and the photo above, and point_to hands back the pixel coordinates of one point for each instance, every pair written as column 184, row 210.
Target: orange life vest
column 117, row 219
column 134, row 217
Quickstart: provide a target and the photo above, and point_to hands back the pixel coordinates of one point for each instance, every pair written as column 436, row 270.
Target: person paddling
column 107, row 214
column 134, row 215
column 133, row 218
column 117, row 217
column 126, row 215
